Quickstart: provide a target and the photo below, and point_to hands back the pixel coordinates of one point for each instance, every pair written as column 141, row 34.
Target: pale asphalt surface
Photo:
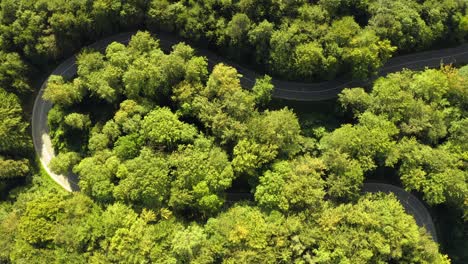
column 283, row 89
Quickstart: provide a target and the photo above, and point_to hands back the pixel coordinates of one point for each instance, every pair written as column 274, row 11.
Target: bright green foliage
column 73, row 228
column 61, row 93
column 344, row 175
column 458, row 140
column 196, row 70
column 161, row 127
column 313, row 40
column 10, row 168
column 325, row 49
column 164, row 232
column 237, row 29
column 129, row 238
column 127, row 147
column 141, row 74
column 188, row 243
column 49, row 29
column 49, row 225
column 144, row 155
column 139, row 71
column 439, row 174
column 201, row 173
column 401, row 23
column 115, row 217
column 269, row 134
column 420, row 104
column 13, row 73
column 151, row 73
column 143, row 43
column 64, row 162
column 97, row 174
column 375, row 230
column 223, row 106
column 144, row 77
column 98, row 142
column 262, row 90
column 77, row 121
column 111, row 130
column 281, row 43
column 309, row 59
column 367, row 142
column 265, row 31
column 292, row 185
column 246, row 235
column 128, row 117
column 250, row 156
column 12, row 126
column 279, row 129
column 98, row 77
column 132, row 244
column 366, row 54
column 58, row 227
column 144, row 180
column 463, row 27
column 429, row 111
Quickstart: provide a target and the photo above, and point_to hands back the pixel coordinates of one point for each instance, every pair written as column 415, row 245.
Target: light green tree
column 13, row 168
column 62, row 93
column 144, row 180
column 292, row 185
column 161, row 127
column 78, row 121
column 64, row 162
column 262, row 90
column 201, row 174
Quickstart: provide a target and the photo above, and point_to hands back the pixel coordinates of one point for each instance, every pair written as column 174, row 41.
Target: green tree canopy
column 292, row 185
column 369, row 142
column 13, row 74
column 424, row 112
column 201, row 173
column 144, row 180
column 376, row 229
column 12, row 126
column 161, row 127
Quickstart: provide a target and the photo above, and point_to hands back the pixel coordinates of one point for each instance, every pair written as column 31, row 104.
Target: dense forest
column 161, row 142
column 292, row 39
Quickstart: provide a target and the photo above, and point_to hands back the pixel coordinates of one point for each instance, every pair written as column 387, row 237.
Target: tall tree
column 201, row 173
column 376, row 229
column 292, row 185
column 369, row 142
column 13, row 74
column 97, row 175
column 144, row 180
column 161, row 127
column 12, row 126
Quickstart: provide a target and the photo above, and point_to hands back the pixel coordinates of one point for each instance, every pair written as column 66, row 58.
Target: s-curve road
column 283, row 89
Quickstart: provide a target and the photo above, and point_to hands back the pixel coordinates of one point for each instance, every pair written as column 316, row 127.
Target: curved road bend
column 40, row 129
column 283, row 89
column 300, row 91
column 412, row 205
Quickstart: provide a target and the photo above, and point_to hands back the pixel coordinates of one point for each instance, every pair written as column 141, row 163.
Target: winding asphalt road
column 283, row 89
